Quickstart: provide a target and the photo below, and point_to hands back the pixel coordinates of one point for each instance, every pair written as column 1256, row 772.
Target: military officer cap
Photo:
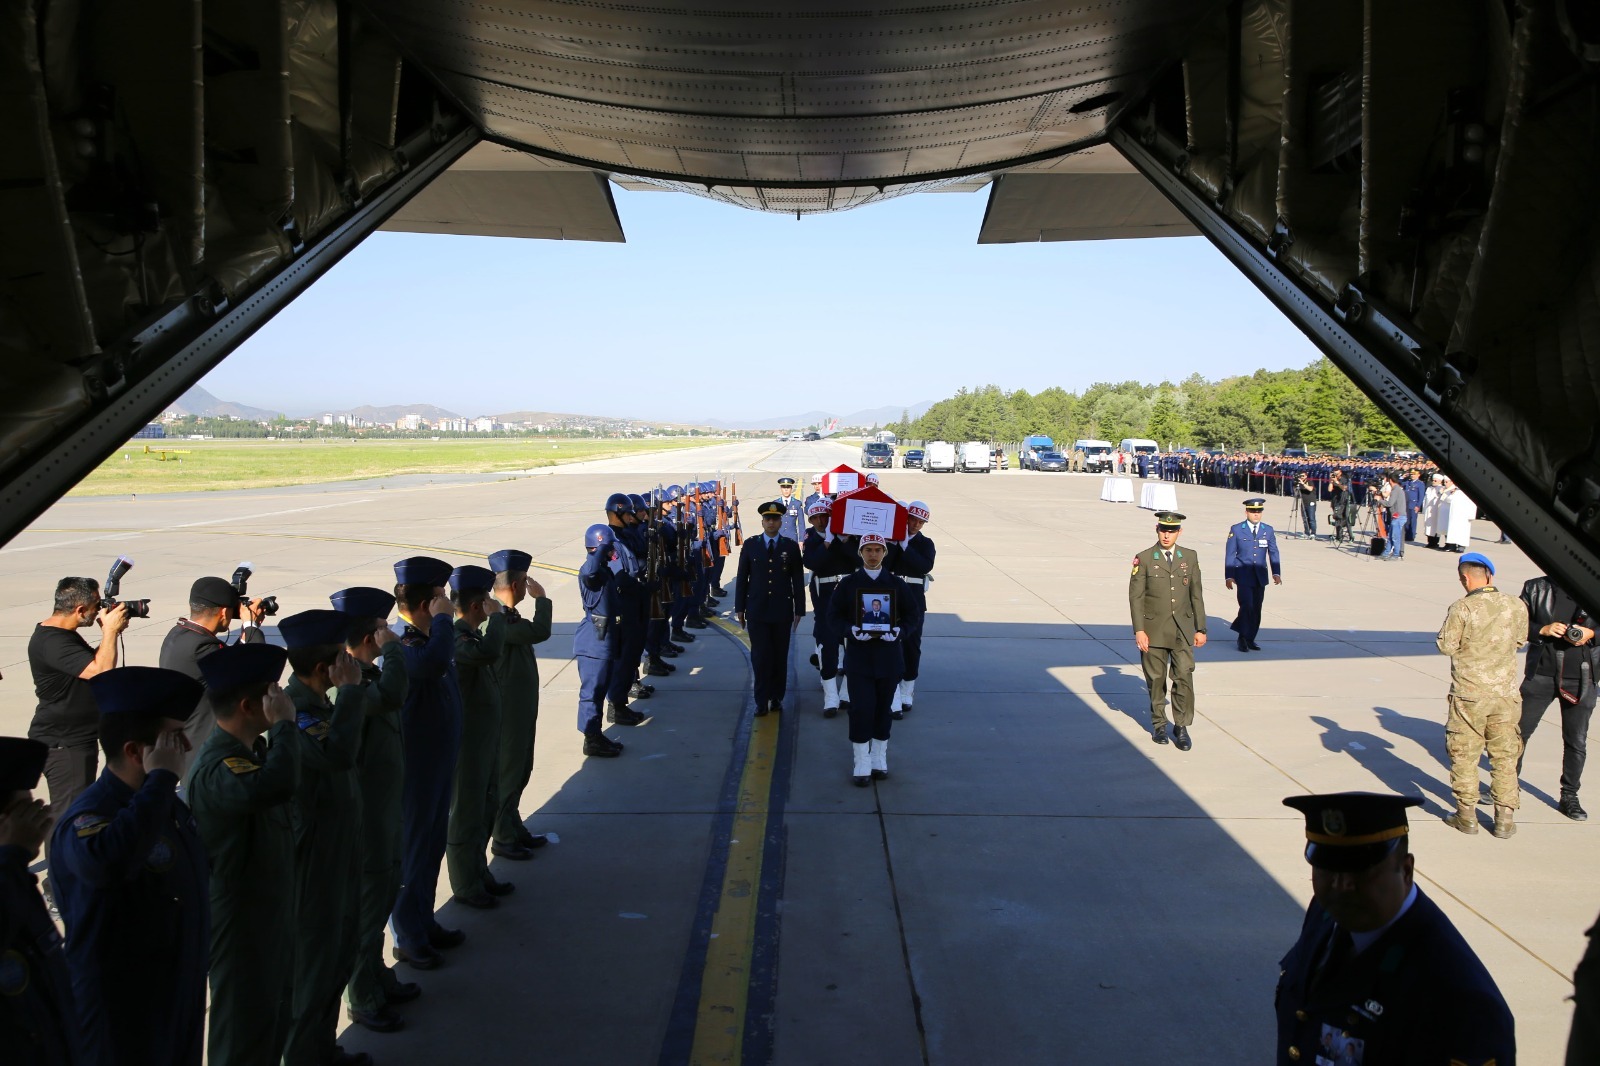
column 314, row 629
column 233, row 666
column 363, row 602
column 214, row 592
column 146, row 690
column 1255, row 503
column 508, row 559
column 1351, row 831
column 772, row 509
column 421, row 570
column 1169, row 520
column 1479, row 558
column 818, row 507
column 21, row 763
column 471, row 579
column 786, row 482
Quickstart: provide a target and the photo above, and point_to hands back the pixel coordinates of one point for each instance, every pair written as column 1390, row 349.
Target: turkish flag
column 868, row 510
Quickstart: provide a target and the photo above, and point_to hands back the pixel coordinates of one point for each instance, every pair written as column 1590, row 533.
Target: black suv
column 876, row 453
column 912, row 457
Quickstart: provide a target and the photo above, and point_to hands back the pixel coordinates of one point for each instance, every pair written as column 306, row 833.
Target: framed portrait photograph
column 875, row 611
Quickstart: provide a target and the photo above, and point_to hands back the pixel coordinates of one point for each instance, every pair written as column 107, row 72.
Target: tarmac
column 1035, row 883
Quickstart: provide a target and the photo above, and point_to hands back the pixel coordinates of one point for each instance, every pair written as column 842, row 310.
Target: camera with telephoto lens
column 241, row 583
column 113, row 585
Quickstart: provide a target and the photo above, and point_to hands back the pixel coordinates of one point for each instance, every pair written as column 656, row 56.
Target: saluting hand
column 346, row 670
column 277, row 704
column 24, row 823
column 535, row 589
column 167, row 752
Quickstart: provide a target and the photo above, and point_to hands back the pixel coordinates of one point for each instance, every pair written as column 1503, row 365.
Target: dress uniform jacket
column 518, row 670
column 380, row 774
column 914, row 563
column 1165, row 599
column 771, row 594
column 1247, row 559
column 1416, row 996
column 326, row 815
column 38, row 1021
column 132, row 881
column 181, row 650
column 793, row 523
column 240, row 796
column 866, row 658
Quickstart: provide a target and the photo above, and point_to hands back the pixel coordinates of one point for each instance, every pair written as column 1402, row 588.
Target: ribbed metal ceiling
column 784, row 94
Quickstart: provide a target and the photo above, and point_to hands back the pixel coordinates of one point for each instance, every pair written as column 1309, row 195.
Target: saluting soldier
column 239, row 789
column 793, row 521
column 830, row 559
column 132, row 879
column 518, row 670
column 380, row 770
column 1379, row 976
column 911, row 560
column 770, row 602
column 38, row 1019
column 330, row 703
column 480, row 637
column 594, row 642
column 1169, row 623
column 1252, row 549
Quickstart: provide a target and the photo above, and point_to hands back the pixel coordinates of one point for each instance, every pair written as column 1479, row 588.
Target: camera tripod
column 1369, row 527
column 1297, row 524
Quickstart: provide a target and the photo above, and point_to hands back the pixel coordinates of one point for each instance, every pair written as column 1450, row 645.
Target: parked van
column 1135, row 445
column 1096, row 455
column 975, row 457
column 939, row 457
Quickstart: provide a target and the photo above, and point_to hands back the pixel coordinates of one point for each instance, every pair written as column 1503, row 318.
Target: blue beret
column 234, row 666
column 1479, row 558
column 147, row 690
column 422, row 570
column 363, row 602
column 313, row 629
column 507, row 559
column 21, row 762
column 471, row 579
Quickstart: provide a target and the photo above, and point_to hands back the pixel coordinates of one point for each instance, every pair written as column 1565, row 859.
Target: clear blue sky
column 713, row 311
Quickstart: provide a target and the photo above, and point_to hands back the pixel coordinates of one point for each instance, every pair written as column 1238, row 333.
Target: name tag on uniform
column 1262, row 543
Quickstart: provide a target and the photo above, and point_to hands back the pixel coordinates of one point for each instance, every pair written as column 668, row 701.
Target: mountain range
column 872, row 416
column 199, row 402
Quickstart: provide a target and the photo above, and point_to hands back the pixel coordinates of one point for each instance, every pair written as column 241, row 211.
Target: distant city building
column 484, row 425
column 155, row 430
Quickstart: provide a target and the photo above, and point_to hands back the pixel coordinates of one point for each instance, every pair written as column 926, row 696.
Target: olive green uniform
column 519, row 718
column 240, row 798
column 1167, row 603
column 473, row 806
column 380, row 774
column 1481, row 633
column 326, row 815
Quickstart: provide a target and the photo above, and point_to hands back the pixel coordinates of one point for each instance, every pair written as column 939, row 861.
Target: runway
column 1035, row 883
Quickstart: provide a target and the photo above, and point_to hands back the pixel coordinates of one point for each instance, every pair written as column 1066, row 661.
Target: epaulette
column 88, row 824
column 240, row 765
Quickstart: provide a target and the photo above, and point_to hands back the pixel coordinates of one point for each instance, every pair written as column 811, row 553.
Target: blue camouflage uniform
column 594, row 643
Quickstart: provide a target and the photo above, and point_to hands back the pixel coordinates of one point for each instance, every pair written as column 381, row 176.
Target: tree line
column 1316, row 407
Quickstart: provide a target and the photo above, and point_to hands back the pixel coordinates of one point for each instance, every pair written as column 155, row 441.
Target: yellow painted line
column 725, row 984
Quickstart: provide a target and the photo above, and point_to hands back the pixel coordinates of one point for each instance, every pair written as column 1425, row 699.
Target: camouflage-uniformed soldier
column 1481, row 633
column 1169, row 621
column 239, row 790
column 480, row 635
column 519, row 700
column 329, row 704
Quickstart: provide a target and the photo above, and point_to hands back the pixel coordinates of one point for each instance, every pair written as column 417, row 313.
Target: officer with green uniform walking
column 480, row 636
column 380, row 771
column 239, row 789
column 1169, row 622
column 329, row 703
column 519, row 700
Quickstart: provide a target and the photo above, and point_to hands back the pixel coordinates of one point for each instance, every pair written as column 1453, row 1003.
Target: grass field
column 213, row 465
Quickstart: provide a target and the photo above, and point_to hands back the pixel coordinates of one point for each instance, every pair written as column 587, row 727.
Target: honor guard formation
column 265, row 813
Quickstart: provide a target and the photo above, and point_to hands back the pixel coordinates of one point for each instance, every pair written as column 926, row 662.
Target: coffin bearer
column 793, row 521
column 1251, row 550
column 519, row 698
column 830, row 559
column 872, row 659
column 770, row 602
column 380, row 772
column 1169, row 622
column 1379, row 975
column 912, row 560
column 132, row 879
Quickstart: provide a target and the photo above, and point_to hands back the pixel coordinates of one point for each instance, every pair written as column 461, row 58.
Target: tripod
column 1297, row 525
column 1369, row 525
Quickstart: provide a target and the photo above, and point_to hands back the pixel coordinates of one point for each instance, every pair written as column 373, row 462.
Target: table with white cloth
column 1117, row 490
column 1158, row 496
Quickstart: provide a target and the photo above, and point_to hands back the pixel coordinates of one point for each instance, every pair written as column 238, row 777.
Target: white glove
column 827, row 536
column 904, row 541
column 891, row 636
column 615, row 566
column 858, row 633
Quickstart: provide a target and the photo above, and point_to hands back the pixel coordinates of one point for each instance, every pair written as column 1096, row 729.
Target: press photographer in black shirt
column 1562, row 661
column 68, row 720
column 214, row 604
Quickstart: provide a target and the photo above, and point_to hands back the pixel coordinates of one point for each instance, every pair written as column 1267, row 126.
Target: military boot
column 1465, row 818
column 1504, row 822
column 622, row 714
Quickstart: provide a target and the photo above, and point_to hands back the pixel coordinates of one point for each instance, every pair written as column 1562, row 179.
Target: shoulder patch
column 1135, row 564
column 87, row 825
column 240, row 765
column 311, row 725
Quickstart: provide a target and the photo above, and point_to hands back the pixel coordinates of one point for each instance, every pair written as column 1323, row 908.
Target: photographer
column 1306, row 495
column 68, row 720
column 214, row 604
column 1342, row 502
column 1562, row 660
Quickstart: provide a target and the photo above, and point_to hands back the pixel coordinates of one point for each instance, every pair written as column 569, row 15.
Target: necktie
column 1168, row 554
column 1340, row 947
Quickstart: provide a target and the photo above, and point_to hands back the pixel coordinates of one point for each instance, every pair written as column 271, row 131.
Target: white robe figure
column 1457, row 514
column 1433, row 512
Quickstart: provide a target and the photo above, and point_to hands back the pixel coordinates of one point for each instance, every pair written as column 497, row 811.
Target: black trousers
column 870, row 700
column 1537, row 692
column 769, row 659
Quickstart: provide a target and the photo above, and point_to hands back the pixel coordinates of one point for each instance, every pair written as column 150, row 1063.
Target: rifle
column 653, row 560
column 738, row 530
column 722, row 513
column 685, row 586
column 700, row 532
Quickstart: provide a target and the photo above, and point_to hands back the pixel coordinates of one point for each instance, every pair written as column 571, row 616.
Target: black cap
column 772, row 508
column 148, row 691
column 21, row 763
column 363, row 602
column 233, row 666
column 1255, row 503
column 422, row 570
column 315, row 629
column 1350, row 831
column 214, row 592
